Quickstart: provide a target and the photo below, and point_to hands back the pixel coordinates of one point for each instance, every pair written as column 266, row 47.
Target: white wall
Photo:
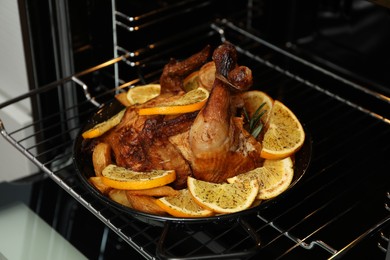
column 13, row 82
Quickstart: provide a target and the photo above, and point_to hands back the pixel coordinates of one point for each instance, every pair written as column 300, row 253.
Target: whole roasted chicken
column 210, row 144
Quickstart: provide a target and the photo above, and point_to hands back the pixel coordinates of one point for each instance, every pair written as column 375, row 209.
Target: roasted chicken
column 141, row 143
column 217, row 146
column 210, row 144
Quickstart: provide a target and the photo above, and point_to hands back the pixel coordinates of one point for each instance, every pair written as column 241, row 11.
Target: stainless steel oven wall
column 61, row 38
column 348, row 37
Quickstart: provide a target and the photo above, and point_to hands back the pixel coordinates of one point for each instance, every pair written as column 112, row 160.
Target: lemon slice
column 189, row 102
column 141, row 94
column 274, row 177
column 223, row 197
column 103, row 127
column 183, row 206
column 284, row 135
column 125, row 179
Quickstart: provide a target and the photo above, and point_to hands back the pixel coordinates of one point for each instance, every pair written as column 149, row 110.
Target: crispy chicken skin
column 141, row 143
column 220, row 146
column 174, row 72
column 210, row 144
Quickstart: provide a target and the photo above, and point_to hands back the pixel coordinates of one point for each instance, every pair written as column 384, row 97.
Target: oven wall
column 42, row 42
column 350, row 38
column 55, row 39
column 14, row 81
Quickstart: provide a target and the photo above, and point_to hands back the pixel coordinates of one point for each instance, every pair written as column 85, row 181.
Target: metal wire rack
column 384, row 240
column 301, row 221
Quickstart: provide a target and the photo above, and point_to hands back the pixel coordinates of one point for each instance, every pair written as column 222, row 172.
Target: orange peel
column 125, row 179
column 189, row 102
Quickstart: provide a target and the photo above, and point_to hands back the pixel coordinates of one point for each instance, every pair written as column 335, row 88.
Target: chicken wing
column 174, row 72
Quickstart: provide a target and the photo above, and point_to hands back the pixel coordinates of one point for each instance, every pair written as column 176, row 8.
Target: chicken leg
column 220, row 146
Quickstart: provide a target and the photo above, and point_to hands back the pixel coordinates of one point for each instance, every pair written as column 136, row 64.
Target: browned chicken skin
column 141, row 143
column 174, row 72
column 211, row 144
column 220, row 145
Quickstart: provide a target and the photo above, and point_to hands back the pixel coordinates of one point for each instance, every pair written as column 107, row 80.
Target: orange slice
column 274, row 177
column 191, row 81
column 285, row 134
column 207, row 75
column 253, row 99
column 125, row 179
column 183, row 206
column 223, row 197
column 103, row 127
column 141, row 94
column 189, row 102
column 122, row 98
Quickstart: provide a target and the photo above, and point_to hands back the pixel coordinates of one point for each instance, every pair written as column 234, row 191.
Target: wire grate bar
column 299, row 241
column 272, row 219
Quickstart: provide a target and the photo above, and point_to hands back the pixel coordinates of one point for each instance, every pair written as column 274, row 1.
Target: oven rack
column 273, row 222
column 384, row 240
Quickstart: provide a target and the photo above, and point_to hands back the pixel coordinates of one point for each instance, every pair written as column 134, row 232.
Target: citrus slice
column 183, row 206
column 207, row 75
column 274, row 177
column 125, row 179
column 253, row 100
column 223, row 197
column 189, row 102
column 103, row 127
column 284, row 135
column 191, row 81
column 141, row 94
column 122, row 98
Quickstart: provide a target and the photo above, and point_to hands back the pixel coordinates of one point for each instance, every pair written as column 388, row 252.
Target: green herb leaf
column 255, row 133
column 246, row 115
column 255, row 125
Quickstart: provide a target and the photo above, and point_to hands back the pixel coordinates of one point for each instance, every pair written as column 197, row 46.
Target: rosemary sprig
column 255, row 125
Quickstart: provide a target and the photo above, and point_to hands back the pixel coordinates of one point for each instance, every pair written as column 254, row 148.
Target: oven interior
column 326, row 60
